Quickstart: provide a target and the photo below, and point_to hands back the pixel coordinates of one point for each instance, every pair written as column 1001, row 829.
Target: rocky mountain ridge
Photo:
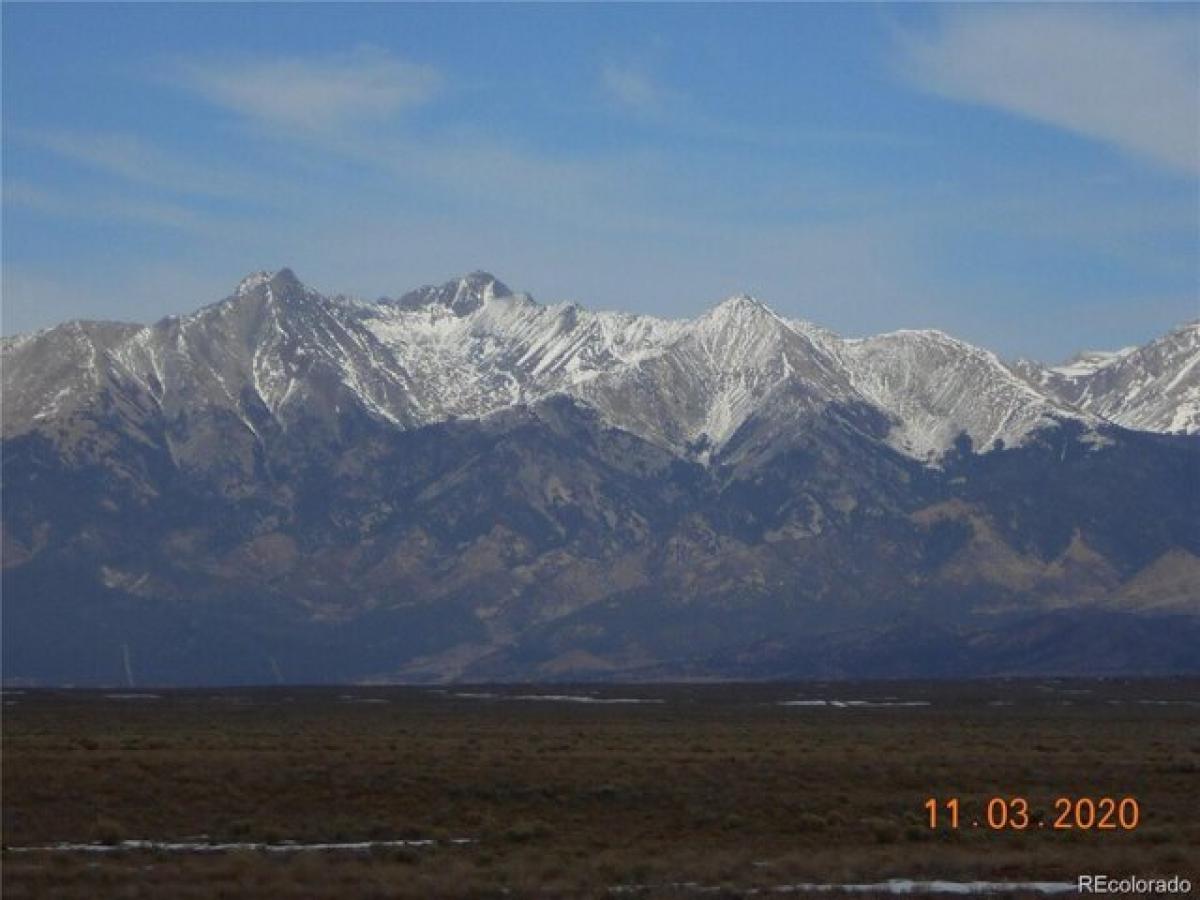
column 471, row 347
column 465, row 484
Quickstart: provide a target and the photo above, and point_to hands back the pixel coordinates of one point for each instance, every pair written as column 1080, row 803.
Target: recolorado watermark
column 1134, row 884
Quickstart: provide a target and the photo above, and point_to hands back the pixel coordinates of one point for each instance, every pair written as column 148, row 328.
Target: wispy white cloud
column 634, row 90
column 314, row 94
column 131, row 158
column 1128, row 77
column 99, row 207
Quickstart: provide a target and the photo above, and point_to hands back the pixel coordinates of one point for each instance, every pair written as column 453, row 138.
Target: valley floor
column 586, row 791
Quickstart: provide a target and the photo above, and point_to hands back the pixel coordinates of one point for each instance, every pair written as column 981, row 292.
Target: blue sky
column 1027, row 178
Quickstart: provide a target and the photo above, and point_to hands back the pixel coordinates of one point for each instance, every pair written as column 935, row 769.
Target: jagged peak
column 280, row 289
column 462, row 296
column 251, row 282
column 282, row 281
column 741, row 301
column 737, row 309
column 484, row 281
column 286, row 276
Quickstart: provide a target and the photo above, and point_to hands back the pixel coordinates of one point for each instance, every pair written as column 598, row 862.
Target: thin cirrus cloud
column 313, row 94
column 105, row 207
column 633, row 90
column 1122, row 76
column 131, row 158
column 333, row 102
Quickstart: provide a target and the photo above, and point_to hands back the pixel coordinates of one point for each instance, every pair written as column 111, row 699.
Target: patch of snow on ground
column 855, row 704
column 555, row 698
column 575, row 698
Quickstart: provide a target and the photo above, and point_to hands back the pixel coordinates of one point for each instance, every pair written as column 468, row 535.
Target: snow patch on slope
column 1150, row 388
column 938, row 387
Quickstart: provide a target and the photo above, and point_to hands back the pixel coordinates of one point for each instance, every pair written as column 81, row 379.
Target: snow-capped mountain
column 465, row 483
column 474, row 347
column 275, row 352
column 1150, row 388
column 713, row 373
column 937, row 387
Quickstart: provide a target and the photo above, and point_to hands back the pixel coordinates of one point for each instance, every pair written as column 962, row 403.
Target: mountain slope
column 1150, row 388
column 463, row 483
column 938, row 387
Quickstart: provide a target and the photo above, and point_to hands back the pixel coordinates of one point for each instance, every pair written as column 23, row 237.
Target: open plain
column 586, row 790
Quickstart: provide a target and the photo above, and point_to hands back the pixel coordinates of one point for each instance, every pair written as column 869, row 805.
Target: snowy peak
column 738, row 306
column 714, row 374
column 461, row 296
column 743, row 333
column 275, row 354
column 49, row 375
column 281, row 283
column 937, row 387
column 251, row 283
column 1152, row 388
column 265, row 308
column 737, row 315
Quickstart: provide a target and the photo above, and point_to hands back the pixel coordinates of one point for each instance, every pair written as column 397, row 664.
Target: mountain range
column 463, row 484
